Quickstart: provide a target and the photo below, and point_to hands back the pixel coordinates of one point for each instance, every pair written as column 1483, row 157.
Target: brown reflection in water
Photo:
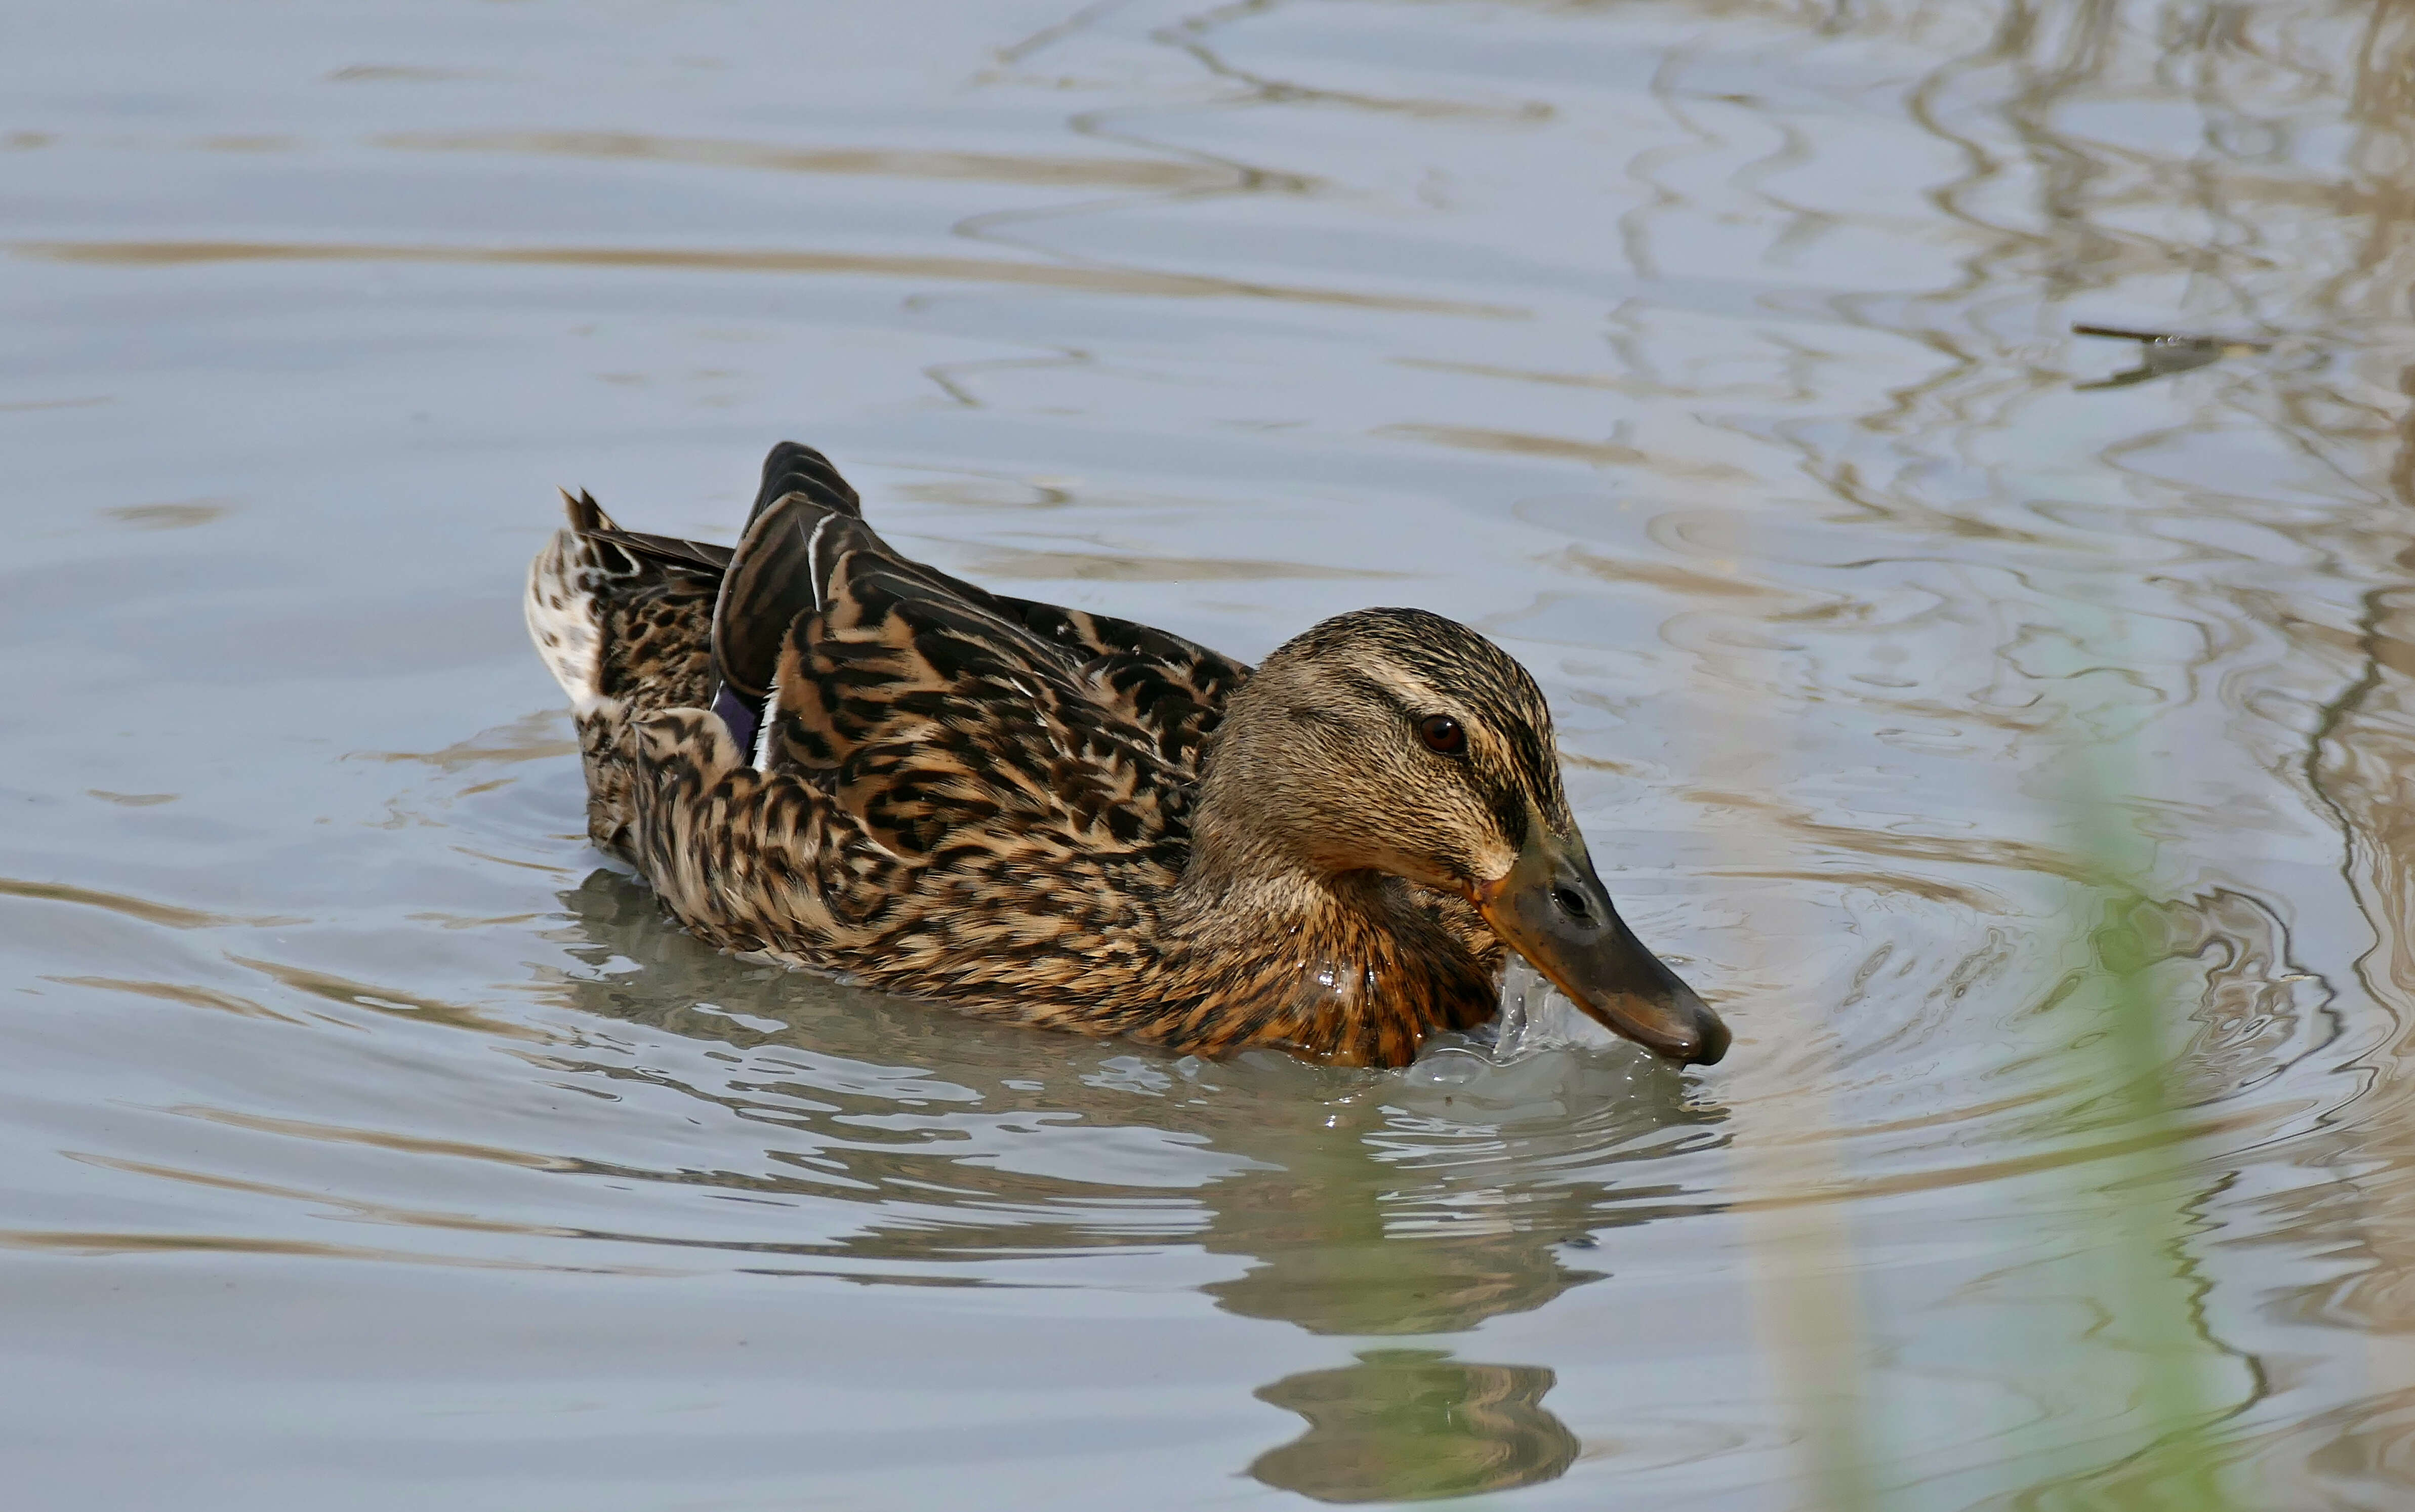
column 149, row 910
column 1670, row 577
column 1634, row 386
column 176, row 992
column 2361, row 764
column 100, row 1242
column 2251, row 1005
column 1143, row 173
column 326, row 985
column 530, row 737
column 1988, row 852
column 368, row 73
column 181, row 516
column 1405, row 1425
column 1562, row 448
column 1095, row 281
column 2330, row 251
column 2269, row 238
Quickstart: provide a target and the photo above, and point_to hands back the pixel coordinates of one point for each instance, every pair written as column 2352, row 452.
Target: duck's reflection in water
column 1366, row 1202
column 1406, row 1424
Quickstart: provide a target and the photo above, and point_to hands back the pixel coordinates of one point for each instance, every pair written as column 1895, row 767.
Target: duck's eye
column 1442, row 734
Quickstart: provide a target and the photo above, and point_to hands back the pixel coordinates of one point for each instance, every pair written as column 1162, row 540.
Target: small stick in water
column 2162, row 354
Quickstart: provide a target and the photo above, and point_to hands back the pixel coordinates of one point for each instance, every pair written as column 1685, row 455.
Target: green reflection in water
column 1314, row 1220
column 1364, row 1204
column 1402, row 1285
column 1404, row 1425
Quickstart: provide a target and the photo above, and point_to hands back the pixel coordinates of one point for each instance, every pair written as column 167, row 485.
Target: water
column 367, row 1143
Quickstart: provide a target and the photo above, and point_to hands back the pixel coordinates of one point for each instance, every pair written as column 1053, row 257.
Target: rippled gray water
column 368, row 1145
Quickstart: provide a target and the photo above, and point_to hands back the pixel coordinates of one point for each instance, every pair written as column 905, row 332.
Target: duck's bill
column 1551, row 909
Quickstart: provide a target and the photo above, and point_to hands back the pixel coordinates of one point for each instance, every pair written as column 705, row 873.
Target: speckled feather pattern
column 966, row 798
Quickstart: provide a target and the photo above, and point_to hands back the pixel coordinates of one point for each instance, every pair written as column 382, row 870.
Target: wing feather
column 941, row 721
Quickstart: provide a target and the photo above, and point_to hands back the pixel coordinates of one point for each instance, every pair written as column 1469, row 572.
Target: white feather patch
column 561, row 621
column 762, row 761
column 814, row 557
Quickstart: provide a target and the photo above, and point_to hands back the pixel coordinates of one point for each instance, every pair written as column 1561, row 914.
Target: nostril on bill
column 1571, row 903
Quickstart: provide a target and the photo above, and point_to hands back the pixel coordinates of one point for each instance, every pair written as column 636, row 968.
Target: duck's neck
column 1354, row 968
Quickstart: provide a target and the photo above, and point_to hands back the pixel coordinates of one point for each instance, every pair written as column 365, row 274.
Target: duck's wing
column 1173, row 687
column 929, row 708
column 941, row 721
column 775, row 572
column 805, row 517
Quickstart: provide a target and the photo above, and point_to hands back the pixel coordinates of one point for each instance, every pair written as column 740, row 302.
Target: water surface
column 369, row 1141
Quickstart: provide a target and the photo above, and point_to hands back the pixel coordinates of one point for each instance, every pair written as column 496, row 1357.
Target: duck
column 817, row 750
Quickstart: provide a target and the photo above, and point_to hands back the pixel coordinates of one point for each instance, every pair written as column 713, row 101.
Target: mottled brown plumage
column 816, row 748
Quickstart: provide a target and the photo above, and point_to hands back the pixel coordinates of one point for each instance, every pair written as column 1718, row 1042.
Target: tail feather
column 587, row 518
column 586, row 515
column 582, row 571
column 666, row 550
column 563, row 616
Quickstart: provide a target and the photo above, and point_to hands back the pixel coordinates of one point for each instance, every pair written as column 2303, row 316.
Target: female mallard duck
column 818, row 749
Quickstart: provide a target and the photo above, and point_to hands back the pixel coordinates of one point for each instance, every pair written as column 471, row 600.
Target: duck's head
column 1398, row 741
